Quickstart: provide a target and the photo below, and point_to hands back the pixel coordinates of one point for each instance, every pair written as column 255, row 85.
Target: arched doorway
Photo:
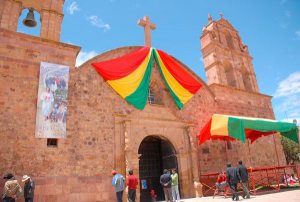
column 156, row 154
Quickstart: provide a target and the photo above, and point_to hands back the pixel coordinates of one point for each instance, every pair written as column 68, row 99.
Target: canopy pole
column 249, row 153
column 276, row 149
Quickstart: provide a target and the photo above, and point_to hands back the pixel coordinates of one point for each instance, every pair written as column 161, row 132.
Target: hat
column 25, row 177
column 8, row 176
column 113, row 172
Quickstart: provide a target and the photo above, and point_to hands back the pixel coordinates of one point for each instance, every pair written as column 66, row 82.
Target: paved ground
column 285, row 196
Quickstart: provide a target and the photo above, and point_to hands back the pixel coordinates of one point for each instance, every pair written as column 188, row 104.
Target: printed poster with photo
column 52, row 101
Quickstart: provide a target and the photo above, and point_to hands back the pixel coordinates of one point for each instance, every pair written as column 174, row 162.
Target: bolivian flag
column 180, row 83
column 129, row 76
column 224, row 127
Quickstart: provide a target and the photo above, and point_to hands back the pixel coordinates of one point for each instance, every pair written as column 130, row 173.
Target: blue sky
column 270, row 28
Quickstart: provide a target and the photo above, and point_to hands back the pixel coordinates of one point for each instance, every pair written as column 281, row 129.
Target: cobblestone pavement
column 285, row 196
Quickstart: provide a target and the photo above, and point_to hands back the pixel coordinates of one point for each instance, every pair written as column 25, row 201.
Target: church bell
column 29, row 21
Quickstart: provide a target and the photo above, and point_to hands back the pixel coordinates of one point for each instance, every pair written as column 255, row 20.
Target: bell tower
column 226, row 59
column 51, row 12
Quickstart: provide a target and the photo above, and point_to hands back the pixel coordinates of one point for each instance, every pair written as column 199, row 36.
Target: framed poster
column 52, row 101
column 144, row 184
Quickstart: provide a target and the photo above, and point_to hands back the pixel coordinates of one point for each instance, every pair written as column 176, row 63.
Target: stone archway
column 156, row 154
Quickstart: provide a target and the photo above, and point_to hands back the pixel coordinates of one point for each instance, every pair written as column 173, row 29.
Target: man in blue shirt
column 118, row 183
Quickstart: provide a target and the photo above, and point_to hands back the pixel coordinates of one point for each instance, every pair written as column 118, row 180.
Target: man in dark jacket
column 233, row 178
column 28, row 188
column 166, row 181
column 242, row 170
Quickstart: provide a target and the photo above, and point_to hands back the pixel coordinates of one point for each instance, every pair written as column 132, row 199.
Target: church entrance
column 156, row 154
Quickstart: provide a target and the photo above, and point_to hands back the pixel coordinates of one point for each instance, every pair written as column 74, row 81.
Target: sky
column 270, row 28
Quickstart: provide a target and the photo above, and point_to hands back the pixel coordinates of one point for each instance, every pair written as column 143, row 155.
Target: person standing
column 12, row 190
column 242, row 170
column 28, row 188
column 175, row 191
column 233, row 178
column 132, row 183
column 166, row 181
column 118, row 183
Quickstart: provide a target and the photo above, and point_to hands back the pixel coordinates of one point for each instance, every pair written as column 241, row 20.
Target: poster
column 52, row 100
column 144, row 184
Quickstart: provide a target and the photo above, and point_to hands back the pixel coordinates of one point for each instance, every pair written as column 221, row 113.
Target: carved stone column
column 196, row 185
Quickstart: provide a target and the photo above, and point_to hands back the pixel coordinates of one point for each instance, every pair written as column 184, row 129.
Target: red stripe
column 122, row 66
column 205, row 133
column 179, row 73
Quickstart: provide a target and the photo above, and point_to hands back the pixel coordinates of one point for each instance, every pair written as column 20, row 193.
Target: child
column 153, row 195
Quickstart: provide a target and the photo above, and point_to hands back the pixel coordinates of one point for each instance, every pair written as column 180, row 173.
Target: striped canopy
column 225, row 127
column 129, row 76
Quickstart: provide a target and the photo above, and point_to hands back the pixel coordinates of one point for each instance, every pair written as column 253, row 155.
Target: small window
column 229, row 145
column 151, row 99
column 51, row 142
column 229, row 41
column 205, row 150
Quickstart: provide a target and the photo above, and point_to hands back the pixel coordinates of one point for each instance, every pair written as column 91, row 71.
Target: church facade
column 104, row 132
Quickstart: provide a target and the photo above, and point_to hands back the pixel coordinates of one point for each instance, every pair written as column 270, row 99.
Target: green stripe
column 175, row 98
column 139, row 97
column 236, row 129
column 288, row 130
column 237, row 126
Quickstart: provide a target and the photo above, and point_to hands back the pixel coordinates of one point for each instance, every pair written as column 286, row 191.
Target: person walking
column 166, row 181
column 12, row 190
column 175, row 191
column 28, row 188
column 242, row 170
column 118, row 183
column 132, row 183
column 233, row 178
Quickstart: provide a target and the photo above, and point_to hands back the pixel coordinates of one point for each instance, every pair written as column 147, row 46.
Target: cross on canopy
column 145, row 22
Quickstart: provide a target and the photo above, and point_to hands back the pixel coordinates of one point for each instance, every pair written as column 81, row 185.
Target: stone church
column 104, row 132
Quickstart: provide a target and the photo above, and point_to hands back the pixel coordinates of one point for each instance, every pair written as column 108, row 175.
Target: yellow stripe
column 183, row 94
column 127, row 85
column 219, row 125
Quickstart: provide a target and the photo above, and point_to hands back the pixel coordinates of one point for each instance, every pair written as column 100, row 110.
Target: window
column 229, row 145
column 229, row 41
column 246, row 80
column 229, row 75
column 51, row 142
column 151, row 99
column 205, row 150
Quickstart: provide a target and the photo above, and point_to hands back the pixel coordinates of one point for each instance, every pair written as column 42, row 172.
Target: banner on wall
column 52, row 101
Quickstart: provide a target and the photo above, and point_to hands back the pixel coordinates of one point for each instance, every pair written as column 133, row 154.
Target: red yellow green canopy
column 225, row 127
column 129, row 76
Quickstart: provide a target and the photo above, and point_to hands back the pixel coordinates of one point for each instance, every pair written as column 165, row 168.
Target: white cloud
column 73, row 7
column 84, row 56
column 298, row 33
column 290, row 108
column 98, row 22
column 288, row 91
column 289, row 86
column 290, row 104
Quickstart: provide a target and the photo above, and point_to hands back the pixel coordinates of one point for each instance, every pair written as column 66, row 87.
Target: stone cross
column 145, row 22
